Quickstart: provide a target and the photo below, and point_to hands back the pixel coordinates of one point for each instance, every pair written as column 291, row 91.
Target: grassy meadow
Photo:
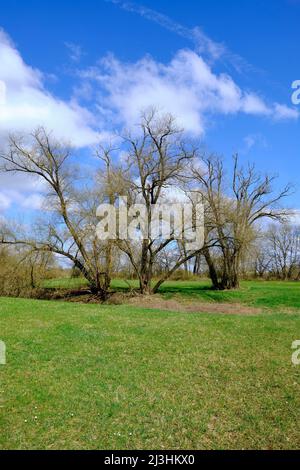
column 88, row 376
column 273, row 295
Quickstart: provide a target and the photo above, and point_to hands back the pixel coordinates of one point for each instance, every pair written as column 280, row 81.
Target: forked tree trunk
column 229, row 278
column 145, row 285
column 99, row 292
column 145, row 280
column 98, row 286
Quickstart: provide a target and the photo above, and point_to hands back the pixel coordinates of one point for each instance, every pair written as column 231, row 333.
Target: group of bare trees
column 277, row 253
column 157, row 162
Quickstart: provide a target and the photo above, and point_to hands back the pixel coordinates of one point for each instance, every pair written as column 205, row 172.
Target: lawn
column 269, row 294
column 120, row 377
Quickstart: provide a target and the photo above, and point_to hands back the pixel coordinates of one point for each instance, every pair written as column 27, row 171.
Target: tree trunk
column 212, row 270
column 145, row 285
column 145, row 275
column 197, row 263
column 99, row 292
column 145, row 279
column 32, row 283
column 230, row 276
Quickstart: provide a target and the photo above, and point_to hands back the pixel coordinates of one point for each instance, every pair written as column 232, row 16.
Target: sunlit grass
column 274, row 295
column 95, row 377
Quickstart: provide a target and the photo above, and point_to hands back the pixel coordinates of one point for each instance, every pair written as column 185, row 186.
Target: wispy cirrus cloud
column 75, row 51
column 203, row 44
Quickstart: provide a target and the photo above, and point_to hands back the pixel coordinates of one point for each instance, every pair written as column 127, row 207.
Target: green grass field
column 120, row 377
column 275, row 295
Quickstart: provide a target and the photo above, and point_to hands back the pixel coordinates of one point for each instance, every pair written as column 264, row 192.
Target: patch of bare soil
column 156, row 302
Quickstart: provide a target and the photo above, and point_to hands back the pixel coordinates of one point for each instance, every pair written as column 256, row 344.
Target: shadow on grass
column 197, row 290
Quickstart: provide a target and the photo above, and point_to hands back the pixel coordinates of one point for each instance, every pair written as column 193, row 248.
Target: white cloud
column 249, row 141
column 294, row 218
column 20, row 198
column 34, row 201
column 17, row 182
column 253, row 140
column 25, row 103
column 4, row 202
column 284, row 112
column 21, row 190
column 187, row 87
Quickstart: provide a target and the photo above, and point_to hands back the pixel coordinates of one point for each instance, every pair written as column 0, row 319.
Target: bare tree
column 261, row 257
column 158, row 159
column 234, row 206
column 284, row 250
column 68, row 229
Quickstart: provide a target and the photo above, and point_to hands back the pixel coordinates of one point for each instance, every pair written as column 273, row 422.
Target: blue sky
column 224, row 67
